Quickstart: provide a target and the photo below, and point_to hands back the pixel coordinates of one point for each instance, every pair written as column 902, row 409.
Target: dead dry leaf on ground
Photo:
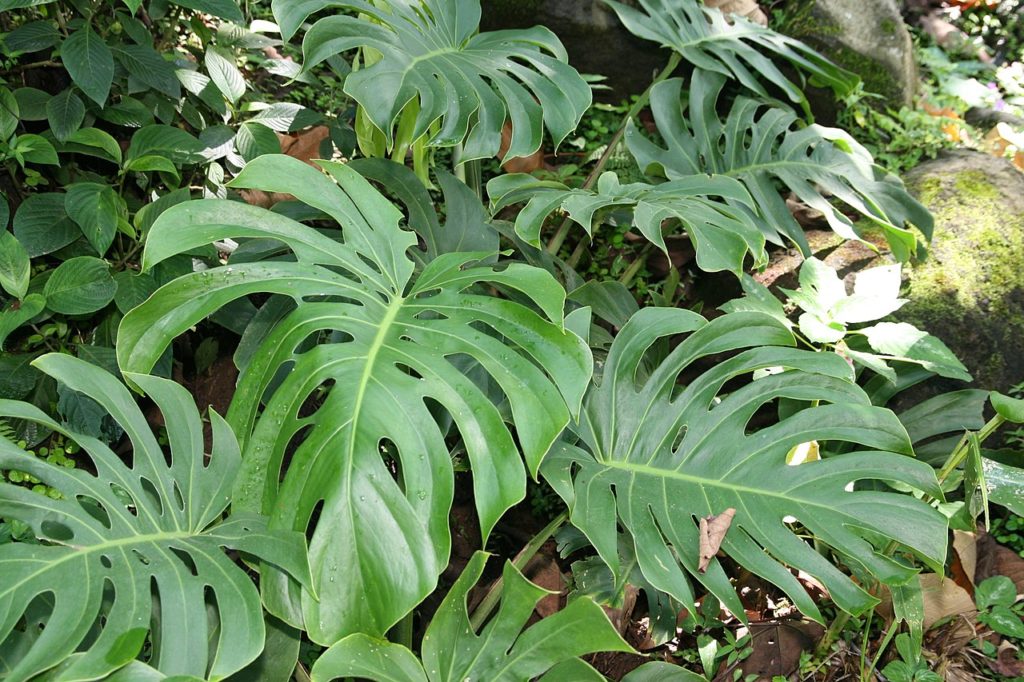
column 745, row 8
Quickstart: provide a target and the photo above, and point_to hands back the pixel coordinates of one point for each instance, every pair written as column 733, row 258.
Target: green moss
column 970, row 291
column 889, row 27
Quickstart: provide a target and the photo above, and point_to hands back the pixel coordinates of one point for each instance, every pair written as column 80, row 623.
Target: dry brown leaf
column 518, row 164
column 944, row 598
column 777, row 646
column 712, row 532
column 543, row 570
column 1007, row 662
column 745, row 8
column 994, row 559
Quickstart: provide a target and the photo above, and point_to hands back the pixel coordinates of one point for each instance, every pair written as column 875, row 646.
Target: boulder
column 595, row 40
column 867, row 37
column 970, row 290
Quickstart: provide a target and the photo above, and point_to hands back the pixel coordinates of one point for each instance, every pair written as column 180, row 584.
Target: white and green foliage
column 764, row 148
column 410, row 357
column 502, row 651
column 132, row 556
column 655, row 455
column 732, row 46
column 431, row 54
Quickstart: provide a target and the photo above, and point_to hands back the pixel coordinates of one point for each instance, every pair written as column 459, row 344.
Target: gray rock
column 867, row 37
column 970, row 291
column 987, row 118
column 595, row 40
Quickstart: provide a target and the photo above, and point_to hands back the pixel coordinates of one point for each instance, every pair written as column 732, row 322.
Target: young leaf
column 65, row 113
column 469, row 82
column 501, row 652
column 907, row 342
column 14, row 265
column 378, row 546
column 35, row 149
column 660, row 453
column 80, row 285
column 96, row 209
column 89, row 62
column 135, row 545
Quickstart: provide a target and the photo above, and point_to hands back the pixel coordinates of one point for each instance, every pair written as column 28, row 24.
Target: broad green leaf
column 1004, row 621
column 167, row 141
column 136, row 543
column 225, row 9
column 763, row 147
column 660, row 671
column 907, row 342
column 89, row 63
column 145, row 64
column 733, row 47
column 279, row 658
column 468, row 82
column 5, row 212
column 220, row 64
column 32, row 103
column 132, row 289
column 1010, row 409
column 42, row 225
column 17, row 377
column 501, row 652
column 35, row 149
column 152, row 162
column 80, row 285
column 394, row 343
column 255, row 140
column 14, row 265
column 757, row 298
column 16, row 313
column 96, row 209
column 706, row 207
column 65, row 113
column 285, row 117
column 32, row 36
column 99, row 140
column 128, row 112
column 660, row 455
column 998, row 590
column 8, row 114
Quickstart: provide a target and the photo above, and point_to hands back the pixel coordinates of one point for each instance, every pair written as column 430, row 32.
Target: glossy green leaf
column 89, row 62
column 501, row 652
column 42, row 225
column 80, row 285
column 660, row 455
column 132, row 289
column 102, row 142
column 14, row 265
column 65, row 113
column 733, row 47
column 660, row 671
column 220, row 64
column 225, row 9
column 16, row 313
column 907, row 342
column 167, row 141
column 393, row 343
column 137, row 542
column 997, row 590
column 707, row 207
column 145, row 64
column 763, row 147
column 96, row 209
column 1010, row 409
column 468, row 82
column 254, row 140
column 31, row 148
column 1005, row 485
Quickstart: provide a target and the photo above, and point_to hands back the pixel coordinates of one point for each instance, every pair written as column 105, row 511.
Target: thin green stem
column 637, row 264
column 563, row 231
column 493, row 596
column 402, row 632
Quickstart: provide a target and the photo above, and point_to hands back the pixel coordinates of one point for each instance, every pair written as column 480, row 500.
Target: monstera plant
column 431, row 54
column 133, row 554
column 365, row 466
column 655, row 456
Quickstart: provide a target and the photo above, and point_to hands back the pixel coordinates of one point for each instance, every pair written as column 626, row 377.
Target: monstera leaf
column 722, row 233
column 359, row 417
column 133, row 552
column 501, row 652
column 760, row 147
column 733, row 47
column 656, row 456
column 430, row 53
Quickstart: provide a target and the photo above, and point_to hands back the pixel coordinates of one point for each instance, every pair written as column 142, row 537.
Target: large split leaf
column 656, row 456
column 762, row 147
column 134, row 551
column 470, row 82
column 501, row 652
column 396, row 352
column 708, row 208
column 733, row 47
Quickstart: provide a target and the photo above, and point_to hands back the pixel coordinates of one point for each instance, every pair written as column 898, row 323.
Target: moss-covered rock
column 867, row 37
column 970, row 291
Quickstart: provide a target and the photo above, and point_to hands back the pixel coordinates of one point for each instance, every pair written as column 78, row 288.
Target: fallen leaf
column 712, row 532
column 518, row 164
column 745, row 8
column 777, row 646
column 944, row 598
column 1007, row 661
column 994, row 559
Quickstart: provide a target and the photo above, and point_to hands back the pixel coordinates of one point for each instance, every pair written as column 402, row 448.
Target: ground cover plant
column 409, row 358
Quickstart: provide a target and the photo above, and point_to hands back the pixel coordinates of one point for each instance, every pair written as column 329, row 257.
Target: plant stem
column 636, row 265
column 490, row 600
column 402, row 632
column 559, row 237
